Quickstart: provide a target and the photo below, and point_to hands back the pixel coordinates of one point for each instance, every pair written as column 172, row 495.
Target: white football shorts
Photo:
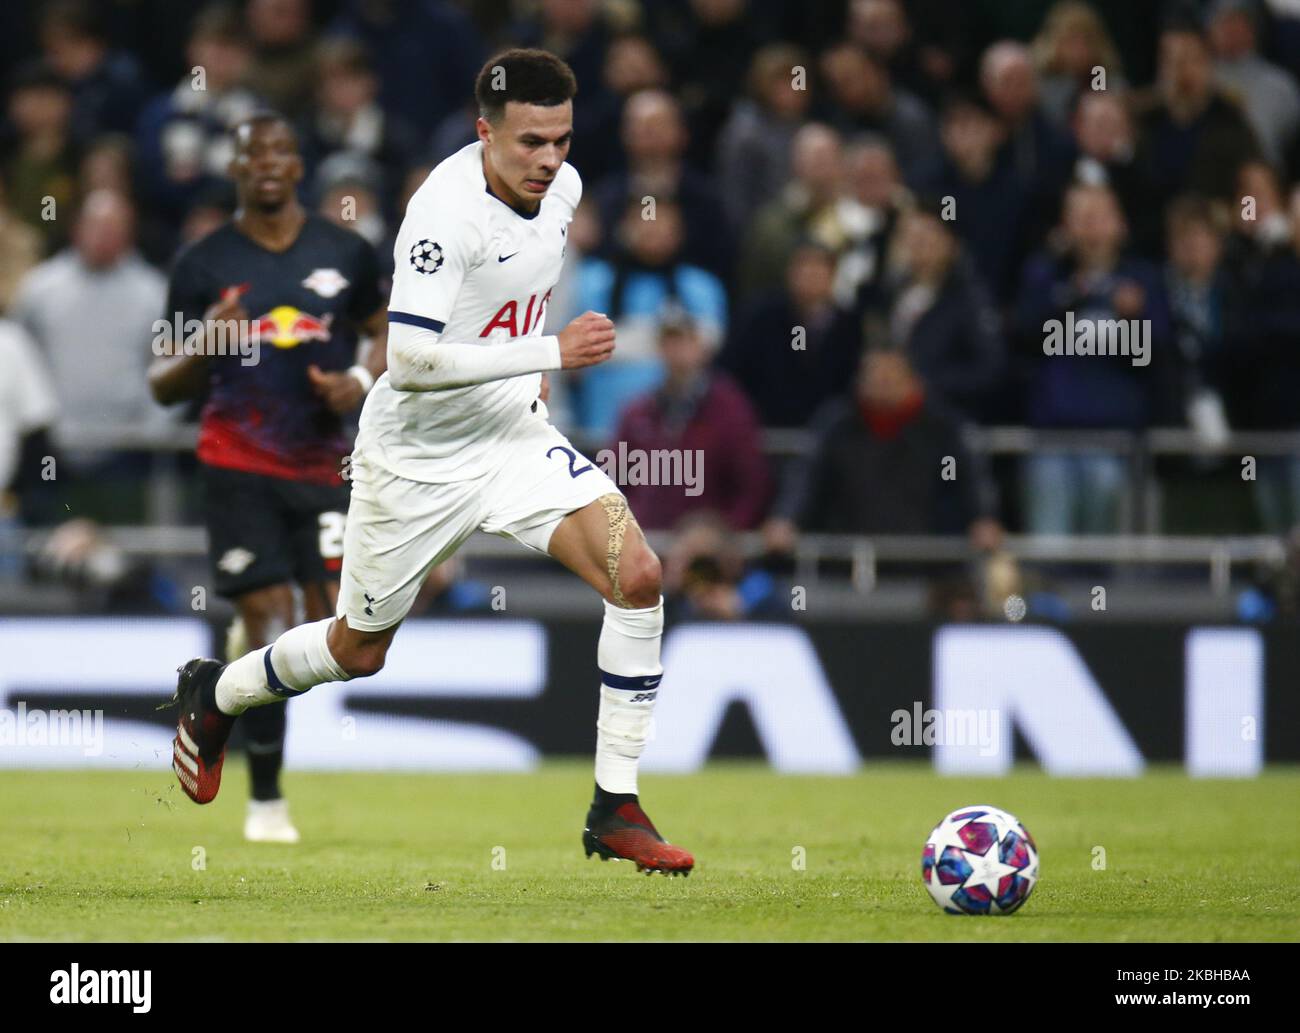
column 398, row 530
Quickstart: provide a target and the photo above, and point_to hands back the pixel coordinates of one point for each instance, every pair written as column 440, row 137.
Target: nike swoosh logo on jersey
column 505, row 258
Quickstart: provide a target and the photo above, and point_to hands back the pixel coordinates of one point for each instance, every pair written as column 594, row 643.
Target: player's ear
column 484, row 129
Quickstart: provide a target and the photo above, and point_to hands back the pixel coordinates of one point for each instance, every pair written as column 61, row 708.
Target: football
column 980, row 861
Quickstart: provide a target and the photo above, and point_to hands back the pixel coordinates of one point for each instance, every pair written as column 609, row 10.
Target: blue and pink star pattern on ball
column 979, row 861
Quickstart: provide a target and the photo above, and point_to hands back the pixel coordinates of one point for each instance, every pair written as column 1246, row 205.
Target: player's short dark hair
column 263, row 117
column 522, row 75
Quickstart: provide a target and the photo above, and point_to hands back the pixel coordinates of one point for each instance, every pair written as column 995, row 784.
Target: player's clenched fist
column 586, row 341
column 228, row 306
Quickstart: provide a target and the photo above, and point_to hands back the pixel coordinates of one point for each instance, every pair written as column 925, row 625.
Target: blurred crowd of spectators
column 863, row 213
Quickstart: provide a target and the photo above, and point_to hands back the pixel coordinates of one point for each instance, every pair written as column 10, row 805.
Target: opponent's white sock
column 295, row 662
column 628, row 658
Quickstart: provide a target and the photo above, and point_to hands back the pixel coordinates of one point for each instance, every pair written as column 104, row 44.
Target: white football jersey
column 472, row 269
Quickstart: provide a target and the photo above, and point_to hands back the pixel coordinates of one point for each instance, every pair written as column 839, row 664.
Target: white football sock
column 628, row 658
column 297, row 661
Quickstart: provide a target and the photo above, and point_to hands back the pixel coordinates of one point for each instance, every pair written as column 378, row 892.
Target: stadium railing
column 862, row 556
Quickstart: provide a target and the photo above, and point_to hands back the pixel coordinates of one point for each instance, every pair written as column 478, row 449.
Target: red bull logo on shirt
column 287, row 327
column 284, row 326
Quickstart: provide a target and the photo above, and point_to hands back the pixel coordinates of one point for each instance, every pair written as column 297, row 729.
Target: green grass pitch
column 115, row 856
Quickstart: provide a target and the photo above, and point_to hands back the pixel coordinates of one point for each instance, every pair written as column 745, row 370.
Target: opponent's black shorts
column 269, row 530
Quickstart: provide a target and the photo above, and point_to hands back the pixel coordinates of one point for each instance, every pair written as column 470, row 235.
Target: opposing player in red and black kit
column 272, row 442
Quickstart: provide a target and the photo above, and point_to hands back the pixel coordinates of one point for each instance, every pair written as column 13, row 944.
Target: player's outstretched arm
column 420, row 360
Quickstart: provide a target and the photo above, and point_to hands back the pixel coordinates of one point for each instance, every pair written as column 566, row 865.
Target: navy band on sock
column 637, row 683
column 273, row 681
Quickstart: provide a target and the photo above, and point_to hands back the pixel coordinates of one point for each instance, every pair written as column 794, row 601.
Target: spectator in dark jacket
column 702, row 415
column 1122, row 380
column 933, row 306
column 1269, row 95
column 709, row 47
column 107, row 85
column 1198, row 294
column 632, row 65
column 430, row 53
column 878, row 199
column 1260, row 370
column 755, row 143
column 183, row 137
column 1259, row 227
column 888, row 31
column 1262, row 321
column 888, row 459
column 794, row 350
column 654, row 140
column 348, row 119
column 38, row 159
column 864, row 100
column 1194, row 139
column 1094, row 279
column 1039, row 153
column 821, row 203
column 1108, row 155
column 992, row 200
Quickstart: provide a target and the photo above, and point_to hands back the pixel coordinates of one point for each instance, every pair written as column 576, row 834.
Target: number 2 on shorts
column 573, row 458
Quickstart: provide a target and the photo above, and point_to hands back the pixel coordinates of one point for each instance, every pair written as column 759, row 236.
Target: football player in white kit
column 454, row 438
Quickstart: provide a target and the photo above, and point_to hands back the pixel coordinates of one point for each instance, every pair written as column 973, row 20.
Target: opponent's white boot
column 268, row 822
